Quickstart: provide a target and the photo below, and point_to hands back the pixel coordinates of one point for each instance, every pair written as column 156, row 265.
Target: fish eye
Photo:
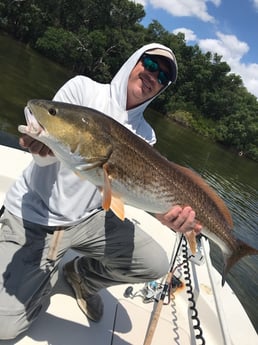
column 52, row 111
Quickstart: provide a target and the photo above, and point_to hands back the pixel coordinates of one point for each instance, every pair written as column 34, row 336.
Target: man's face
column 143, row 84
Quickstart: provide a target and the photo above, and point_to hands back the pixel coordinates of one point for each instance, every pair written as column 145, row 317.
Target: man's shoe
column 90, row 304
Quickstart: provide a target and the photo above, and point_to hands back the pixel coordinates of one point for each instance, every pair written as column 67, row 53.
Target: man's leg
column 26, row 276
column 115, row 252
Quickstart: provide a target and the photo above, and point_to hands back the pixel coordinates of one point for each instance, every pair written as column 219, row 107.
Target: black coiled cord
column 189, row 289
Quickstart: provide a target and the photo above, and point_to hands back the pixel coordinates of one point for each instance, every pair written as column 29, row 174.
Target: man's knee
column 12, row 325
column 155, row 265
column 159, row 265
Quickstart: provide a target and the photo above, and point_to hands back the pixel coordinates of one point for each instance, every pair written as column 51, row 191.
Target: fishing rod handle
column 153, row 324
column 156, row 315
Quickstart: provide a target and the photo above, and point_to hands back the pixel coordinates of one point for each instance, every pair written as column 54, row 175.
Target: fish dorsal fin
column 106, row 191
column 209, row 191
column 111, row 201
column 190, row 236
column 117, row 206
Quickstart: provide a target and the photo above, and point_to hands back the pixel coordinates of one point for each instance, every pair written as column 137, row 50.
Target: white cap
column 170, row 57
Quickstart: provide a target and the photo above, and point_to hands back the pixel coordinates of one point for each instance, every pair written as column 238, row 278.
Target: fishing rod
column 166, row 289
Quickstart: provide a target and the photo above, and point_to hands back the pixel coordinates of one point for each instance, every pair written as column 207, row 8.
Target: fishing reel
column 150, row 292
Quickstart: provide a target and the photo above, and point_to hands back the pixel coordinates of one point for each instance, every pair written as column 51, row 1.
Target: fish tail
column 242, row 250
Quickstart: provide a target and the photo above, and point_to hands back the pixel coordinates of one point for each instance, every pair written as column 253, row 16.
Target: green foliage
column 240, row 130
column 57, row 44
column 26, row 20
column 94, row 37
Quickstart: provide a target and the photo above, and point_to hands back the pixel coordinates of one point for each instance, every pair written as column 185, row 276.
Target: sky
column 226, row 27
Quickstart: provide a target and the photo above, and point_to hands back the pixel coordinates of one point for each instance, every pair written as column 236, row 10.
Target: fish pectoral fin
column 106, row 191
column 117, row 206
column 190, row 236
column 80, row 168
column 88, row 166
column 79, row 174
column 109, row 200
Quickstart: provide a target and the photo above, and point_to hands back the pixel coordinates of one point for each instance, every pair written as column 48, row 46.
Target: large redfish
column 129, row 170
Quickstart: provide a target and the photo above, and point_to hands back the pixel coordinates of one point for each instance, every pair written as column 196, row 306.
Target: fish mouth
column 34, row 128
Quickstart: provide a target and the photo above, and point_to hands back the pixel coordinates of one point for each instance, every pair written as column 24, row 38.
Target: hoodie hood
column 120, row 80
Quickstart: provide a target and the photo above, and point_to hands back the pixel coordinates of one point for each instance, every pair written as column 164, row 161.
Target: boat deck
column 126, row 319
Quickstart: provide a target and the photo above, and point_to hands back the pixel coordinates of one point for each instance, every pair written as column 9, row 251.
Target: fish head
column 70, row 131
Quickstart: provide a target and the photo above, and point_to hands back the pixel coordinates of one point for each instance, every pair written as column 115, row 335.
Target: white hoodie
column 47, row 193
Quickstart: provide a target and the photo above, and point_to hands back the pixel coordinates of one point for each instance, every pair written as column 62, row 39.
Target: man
column 49, row 209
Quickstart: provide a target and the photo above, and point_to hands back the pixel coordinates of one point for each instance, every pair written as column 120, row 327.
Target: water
column 26, row 75
column 235, row 179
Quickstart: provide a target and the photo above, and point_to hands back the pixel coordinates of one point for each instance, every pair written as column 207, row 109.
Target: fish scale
column 122, row 164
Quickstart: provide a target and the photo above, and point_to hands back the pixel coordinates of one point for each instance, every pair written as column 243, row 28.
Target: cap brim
column 170, row 58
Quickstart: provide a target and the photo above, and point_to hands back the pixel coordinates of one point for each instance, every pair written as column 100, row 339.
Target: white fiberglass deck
column 125, row 320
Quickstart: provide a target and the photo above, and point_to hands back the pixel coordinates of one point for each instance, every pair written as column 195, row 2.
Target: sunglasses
column 153, row 66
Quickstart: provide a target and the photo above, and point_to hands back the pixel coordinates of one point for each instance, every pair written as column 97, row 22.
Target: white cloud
column 232, row 51
column 255, row 4
column 249, row 75
column 228, row 46
column 189, row 34
column 215, row 2
column 142, row 2
column 183, row 8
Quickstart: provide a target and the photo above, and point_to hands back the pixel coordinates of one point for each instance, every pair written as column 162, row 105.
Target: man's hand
column 34, row 146
column 180, row 219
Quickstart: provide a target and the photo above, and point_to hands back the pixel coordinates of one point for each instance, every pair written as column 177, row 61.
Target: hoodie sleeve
column 71, row 92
